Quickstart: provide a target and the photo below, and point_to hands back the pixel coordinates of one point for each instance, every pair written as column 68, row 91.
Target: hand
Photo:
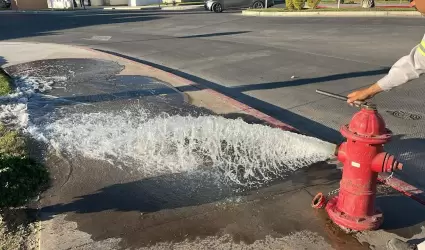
column 364, row 94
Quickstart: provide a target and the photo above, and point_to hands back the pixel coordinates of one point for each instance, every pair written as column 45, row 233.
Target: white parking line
column 99, row 38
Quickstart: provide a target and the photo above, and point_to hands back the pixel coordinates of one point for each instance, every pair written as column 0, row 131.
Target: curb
column 397, row 184
column 334, row 13
column 188, row 7
column 403, row 187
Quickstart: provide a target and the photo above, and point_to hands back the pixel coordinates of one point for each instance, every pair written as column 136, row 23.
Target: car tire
column 217, row 8
column 258, row 5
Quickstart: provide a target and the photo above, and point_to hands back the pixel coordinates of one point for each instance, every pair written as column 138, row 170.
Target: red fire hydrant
column 363, row 158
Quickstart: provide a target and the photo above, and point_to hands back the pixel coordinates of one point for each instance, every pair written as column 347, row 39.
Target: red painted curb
column 403, row 187
column 394, row 182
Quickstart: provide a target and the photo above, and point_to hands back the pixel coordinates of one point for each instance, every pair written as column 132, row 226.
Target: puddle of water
column 341, row 240
column 247, row 154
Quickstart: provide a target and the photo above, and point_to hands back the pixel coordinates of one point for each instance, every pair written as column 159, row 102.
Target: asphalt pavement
column 271, row 64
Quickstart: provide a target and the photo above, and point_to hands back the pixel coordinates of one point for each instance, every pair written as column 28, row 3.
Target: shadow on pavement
column 21, row 25
column 412, row 150
column 402, row 215
column 2, row 61
column 178, row 207
column 27, row 25
column 215, row 34
column 186, row 189
column 179, row 37
column 275, row 85
column 416, row 241
column 150, row 194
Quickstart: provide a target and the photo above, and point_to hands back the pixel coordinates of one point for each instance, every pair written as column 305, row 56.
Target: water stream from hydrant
column 246, row 154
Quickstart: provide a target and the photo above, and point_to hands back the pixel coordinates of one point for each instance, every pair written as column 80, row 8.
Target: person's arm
column 407, row 68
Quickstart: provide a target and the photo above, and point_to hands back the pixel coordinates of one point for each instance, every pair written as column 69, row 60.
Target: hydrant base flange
column 345, row 220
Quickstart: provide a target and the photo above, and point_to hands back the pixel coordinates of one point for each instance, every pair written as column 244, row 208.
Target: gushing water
column 247, row 154
column 13, row 108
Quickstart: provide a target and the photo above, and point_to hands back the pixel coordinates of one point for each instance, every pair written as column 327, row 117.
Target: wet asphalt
column 272, row 64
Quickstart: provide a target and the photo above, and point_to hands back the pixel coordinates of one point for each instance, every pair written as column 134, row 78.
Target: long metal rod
column 343, row 98
column 340, row 97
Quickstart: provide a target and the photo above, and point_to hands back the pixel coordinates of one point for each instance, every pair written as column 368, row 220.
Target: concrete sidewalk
column 330, row 10
column 95, row 205
column 333, row 13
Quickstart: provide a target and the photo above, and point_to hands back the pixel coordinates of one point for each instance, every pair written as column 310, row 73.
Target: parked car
column 220, row 5
column 5, row 3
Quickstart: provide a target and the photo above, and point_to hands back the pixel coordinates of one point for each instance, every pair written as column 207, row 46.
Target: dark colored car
column 5, row 3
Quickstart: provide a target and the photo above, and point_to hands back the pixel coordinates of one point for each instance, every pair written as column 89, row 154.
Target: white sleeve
column 407, row 68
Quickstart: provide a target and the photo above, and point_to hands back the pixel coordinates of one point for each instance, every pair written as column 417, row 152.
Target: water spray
column 245, row 154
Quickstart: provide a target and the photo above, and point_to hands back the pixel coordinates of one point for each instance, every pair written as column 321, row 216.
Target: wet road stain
column 166, row 209
column 339, row 239
column 108, row 202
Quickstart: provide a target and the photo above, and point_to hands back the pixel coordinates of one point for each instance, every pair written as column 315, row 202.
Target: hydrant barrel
column 358, row 184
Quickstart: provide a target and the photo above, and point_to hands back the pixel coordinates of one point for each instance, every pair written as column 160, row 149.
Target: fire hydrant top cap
column 368, row 123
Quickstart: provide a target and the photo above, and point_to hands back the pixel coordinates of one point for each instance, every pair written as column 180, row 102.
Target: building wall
column 116, row 2
column 29, row 4
column 142, row 2
column 97, row 2
column 60, row 4
column 119, row 2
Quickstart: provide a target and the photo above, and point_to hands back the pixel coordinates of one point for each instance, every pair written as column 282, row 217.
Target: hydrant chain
column 389, row 177
column 333, row 192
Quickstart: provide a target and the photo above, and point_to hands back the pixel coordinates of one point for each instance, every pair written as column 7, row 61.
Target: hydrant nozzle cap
column 385, row 162
column 319, row 201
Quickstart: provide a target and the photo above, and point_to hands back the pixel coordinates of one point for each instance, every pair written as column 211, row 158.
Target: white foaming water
column 247, row 154
column 294, row 241
column 27, row 86
column 14, row 111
